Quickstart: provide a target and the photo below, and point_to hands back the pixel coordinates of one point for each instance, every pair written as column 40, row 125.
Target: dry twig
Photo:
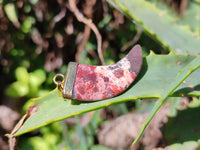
column 12, row 140
column 60, row 15
column 81, row 46
column 80, row 17
column 133, row 41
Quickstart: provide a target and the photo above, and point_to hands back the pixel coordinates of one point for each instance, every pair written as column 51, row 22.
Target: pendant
column 92, row 83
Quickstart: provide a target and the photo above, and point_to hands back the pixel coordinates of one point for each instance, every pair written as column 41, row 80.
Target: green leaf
column 36, row 78
column 195, row 103
column 174, row 103
column 157, row 73
column 192, row 16
column 100, row 147
column 17, row 89
column 186, row 120
column 27, row 24
column 181, row 76
column 34, row 143
column 22, row 75
column 188, row 145
column 11, row 12
column 160, row 25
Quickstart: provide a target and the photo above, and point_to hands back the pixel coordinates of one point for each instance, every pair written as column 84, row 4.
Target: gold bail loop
column 58, row 80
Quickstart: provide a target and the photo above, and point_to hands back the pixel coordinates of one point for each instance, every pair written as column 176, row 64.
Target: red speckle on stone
column 102, row 82
column 95, row 89
column 81, row 90
column 106, row 79
column 119, row 73
column 133, row 76
column 90, row 77
column 78, row 96
column 114, row 89
column 90, row 87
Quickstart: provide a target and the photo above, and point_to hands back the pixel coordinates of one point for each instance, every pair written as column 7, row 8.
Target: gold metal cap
column 69, row 80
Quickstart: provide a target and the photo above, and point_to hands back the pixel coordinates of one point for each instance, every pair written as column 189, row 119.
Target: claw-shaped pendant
column 91, row 83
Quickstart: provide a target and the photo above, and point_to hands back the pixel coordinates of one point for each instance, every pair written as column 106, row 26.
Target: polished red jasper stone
column 101, row 82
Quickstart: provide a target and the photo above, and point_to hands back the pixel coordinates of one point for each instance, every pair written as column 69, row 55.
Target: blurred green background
column 37, row 40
